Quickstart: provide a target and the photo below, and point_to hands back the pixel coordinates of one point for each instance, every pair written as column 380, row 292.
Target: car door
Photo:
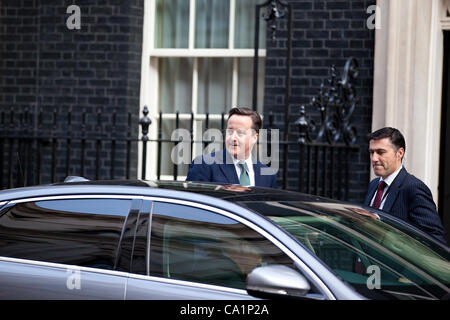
column 65, row 247
column 197, row 253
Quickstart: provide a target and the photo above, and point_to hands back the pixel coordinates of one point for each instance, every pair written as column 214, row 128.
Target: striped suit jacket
column 410, row 199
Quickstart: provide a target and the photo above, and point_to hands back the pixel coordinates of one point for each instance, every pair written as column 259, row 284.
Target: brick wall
column 47, row 67
column 325, row 33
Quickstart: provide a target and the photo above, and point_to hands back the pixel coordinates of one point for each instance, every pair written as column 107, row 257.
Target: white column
column 408, row 81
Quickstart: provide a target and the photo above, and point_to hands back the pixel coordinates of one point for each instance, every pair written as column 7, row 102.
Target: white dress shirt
column 251, row 173
column 388, row 182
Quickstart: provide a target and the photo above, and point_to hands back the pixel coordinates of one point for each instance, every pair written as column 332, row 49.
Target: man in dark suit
column 396, row 191
column 235, row 164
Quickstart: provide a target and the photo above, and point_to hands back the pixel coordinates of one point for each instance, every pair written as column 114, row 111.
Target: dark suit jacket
column 219, row 167
column 410, row 199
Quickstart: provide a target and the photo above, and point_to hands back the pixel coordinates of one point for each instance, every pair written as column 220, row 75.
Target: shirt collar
column 392, row 176
column 248, row 161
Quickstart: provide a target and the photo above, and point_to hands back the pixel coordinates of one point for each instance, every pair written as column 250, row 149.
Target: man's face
column 240, row 137
column 384, row 158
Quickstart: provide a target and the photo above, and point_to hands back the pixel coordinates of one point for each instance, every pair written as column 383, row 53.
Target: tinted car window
column 196, row 245
column 377, row 259
column 82, row 232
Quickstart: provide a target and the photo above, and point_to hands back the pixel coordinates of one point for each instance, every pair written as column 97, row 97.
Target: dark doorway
column 444, row 167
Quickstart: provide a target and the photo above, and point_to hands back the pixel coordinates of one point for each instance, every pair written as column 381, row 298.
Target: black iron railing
column 45, row 147
column 327, row 143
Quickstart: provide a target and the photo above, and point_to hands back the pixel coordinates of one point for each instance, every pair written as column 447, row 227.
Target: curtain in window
column 244, row 29
column 172, row 24
column 214, row 85
column 212, row 23
column 175, row 85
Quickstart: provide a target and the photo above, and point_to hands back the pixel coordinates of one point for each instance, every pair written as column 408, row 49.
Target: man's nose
column 234, row 135
column 374, row 157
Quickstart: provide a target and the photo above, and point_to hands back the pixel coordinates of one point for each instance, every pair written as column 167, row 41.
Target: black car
column 183, row 240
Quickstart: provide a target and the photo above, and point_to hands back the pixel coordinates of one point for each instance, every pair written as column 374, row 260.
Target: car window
column 380, row 270
column 375, row 256
column 197, row 245
column 83, row 232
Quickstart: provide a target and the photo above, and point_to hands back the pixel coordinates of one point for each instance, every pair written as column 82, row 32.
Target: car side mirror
column 276, row 281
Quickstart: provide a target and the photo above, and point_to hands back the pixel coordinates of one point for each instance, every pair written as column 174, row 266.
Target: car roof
column 231, row 195
column 172, row 189
column 223, row 196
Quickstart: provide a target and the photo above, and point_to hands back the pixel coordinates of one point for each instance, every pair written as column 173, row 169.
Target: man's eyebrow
column 378, row 149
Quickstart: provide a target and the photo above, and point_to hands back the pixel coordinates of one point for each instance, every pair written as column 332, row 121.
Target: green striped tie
column 244, row 179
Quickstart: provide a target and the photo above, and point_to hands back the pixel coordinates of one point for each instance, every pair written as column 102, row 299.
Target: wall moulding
column 445, row 15
column 408, row 77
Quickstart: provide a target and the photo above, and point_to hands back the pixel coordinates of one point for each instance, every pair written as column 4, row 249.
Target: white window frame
column 150, row 86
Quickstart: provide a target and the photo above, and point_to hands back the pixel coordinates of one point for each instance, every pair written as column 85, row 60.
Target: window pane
column 83, row 232
column 244, row 29
column 245, row 88
column 175, row 85
column 172, row 24
column 212, row 23
column 214, row 85
column 197, row 245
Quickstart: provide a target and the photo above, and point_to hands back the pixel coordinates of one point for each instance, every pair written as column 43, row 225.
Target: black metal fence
column 328, row 141
column 45, row 147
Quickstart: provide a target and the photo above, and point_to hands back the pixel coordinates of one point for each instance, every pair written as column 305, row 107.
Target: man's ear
column 401, row 153
column 256, row 136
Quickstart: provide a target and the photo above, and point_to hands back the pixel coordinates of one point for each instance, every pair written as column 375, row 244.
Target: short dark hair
column 245, row 111
column 397, row 139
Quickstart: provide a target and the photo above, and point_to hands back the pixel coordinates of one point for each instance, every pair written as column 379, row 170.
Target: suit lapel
column 394, row 190
column 257, row 173
column 228, row 168
column 371, row 192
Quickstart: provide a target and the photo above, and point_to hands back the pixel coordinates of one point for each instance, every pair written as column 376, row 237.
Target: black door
column 444, row 168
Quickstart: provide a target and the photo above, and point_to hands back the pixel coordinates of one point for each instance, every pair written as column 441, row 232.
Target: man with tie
column 396, row 191
column 235, row 164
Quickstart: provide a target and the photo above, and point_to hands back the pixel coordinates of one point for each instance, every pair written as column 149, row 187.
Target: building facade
column 80, row 74
column 411, row 88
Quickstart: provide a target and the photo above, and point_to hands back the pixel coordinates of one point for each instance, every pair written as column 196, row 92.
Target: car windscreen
column 377, row 258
